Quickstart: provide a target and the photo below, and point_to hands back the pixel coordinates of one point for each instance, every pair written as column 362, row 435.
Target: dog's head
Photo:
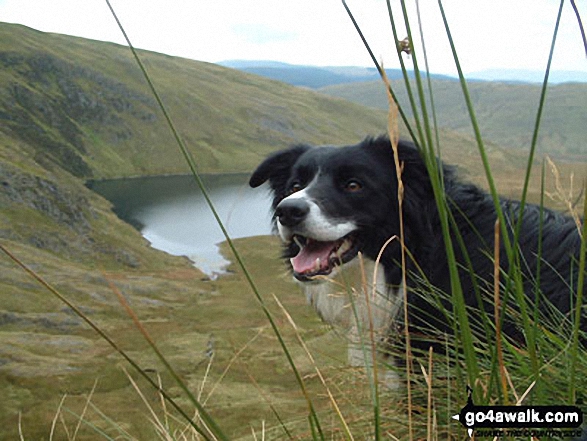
column 332, row 202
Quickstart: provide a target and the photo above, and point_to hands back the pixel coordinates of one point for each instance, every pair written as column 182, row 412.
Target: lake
column 172, row 214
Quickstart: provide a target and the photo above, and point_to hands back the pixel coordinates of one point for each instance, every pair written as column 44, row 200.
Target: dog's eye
column 295, row 187
column 353, row 186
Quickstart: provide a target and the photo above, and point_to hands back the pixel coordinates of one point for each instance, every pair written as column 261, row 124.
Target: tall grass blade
column 56, row 417
column 415, row 113
column 368, row 355
column 463, row 330
column 96, row 429
column 429, row 81
column 280, row 420
column 206, row 418
column 394, row 136
column 162, row 428
column 428, row 153
column 20, row 434
column 339, row 414
column 578, row 304
column 497, row 312
column 193, row 168
column 122, row 433
column 538, row 119
column 511, row 249
column 429, row 408
column 102, row 334
column 530, row 336
column 581, row 28
column 84, row 410
column 475, row 125
column 380, row 70
column 427, row 143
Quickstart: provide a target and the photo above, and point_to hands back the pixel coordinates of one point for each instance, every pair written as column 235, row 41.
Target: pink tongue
column 305, row 261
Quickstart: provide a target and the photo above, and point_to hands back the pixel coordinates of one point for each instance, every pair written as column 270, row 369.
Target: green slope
column 72, row 109
column 84, row 105
column 506, row 111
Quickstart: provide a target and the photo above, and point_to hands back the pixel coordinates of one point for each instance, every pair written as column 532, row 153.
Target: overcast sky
column 512, row 34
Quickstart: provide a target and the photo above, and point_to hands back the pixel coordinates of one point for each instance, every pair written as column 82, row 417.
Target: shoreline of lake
column 172, row 214
column 89, row 182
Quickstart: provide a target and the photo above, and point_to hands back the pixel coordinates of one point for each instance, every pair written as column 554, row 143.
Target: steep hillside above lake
column 85, row 106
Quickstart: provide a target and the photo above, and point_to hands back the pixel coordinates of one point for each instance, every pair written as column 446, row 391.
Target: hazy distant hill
column 506, row 112
column 529, row 76
column 506, row 107
column 313, row 76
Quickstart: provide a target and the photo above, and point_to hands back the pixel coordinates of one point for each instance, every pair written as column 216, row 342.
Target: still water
column 172, row 214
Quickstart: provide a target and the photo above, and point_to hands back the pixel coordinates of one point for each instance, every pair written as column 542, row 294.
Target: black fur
column 375, row 209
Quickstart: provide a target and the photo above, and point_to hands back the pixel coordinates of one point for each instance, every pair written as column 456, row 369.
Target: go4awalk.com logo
column 518, row 417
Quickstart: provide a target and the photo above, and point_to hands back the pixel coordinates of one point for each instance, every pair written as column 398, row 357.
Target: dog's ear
column 276, row 167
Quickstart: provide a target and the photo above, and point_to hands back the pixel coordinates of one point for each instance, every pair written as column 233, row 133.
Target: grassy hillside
column 69, row 236
column 506, row 112
column 48, row 354
column 85, row 106
column 71, row 109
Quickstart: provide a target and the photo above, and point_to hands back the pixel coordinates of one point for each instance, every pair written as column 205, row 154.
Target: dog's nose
column 291, row 212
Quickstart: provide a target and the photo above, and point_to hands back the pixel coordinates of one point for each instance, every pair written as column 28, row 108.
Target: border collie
column 332, row 204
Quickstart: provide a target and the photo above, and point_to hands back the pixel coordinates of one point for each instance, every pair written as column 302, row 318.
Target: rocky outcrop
column 58, row 203
column 57, row 102
column 65, row 214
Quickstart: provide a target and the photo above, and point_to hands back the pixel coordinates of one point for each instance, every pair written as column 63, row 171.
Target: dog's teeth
column 297, row 241
column 317, row 264
column 344, row 247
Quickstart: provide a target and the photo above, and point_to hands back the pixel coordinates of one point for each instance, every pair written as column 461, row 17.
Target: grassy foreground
column 60, row 378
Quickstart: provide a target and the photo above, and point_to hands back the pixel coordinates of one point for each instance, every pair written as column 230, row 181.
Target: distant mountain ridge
column 316, row 76
column 528, row 76
column 506, row 109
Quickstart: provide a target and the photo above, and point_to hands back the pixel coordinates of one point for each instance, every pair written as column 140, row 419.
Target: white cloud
column 262, row 33
column 487, row 33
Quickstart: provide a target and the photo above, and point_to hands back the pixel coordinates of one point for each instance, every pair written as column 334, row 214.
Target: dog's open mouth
column 317, row 258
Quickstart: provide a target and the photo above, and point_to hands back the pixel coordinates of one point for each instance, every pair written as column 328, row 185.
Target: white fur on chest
column 354, row 302
column 374, row 301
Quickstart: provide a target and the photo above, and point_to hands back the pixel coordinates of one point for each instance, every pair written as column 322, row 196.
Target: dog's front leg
column 362, row 353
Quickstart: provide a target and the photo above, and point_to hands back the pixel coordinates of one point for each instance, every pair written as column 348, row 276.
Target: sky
column 488, row 34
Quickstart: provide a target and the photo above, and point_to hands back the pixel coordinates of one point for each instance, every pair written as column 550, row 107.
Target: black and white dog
column 332, row 203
